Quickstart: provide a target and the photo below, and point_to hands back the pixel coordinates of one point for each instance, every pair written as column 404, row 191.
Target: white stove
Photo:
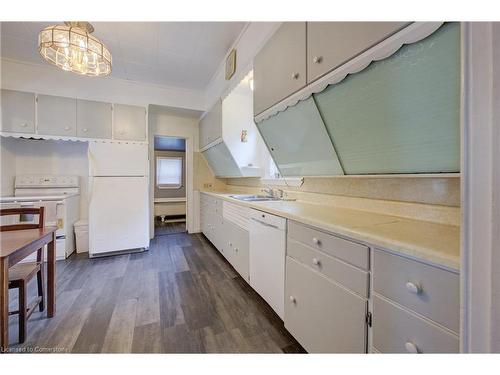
column 59, row 195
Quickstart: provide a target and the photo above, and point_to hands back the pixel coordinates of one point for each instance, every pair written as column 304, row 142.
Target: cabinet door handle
column 67, row 127
column 316, row 261
column 236, row 249
column 316, row 241
column 85, row 130
column 295, row 75
column 23, row 125
column 411, row 347
column 413, row 287
column 317, row 59
column 292, row 299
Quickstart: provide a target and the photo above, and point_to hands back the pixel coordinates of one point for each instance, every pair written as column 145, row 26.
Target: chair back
column 22, row 211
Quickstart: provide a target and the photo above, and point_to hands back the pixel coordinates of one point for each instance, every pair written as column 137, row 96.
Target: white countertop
column 428, row 241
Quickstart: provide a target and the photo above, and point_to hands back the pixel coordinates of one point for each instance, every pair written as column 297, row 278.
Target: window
column 168, row 172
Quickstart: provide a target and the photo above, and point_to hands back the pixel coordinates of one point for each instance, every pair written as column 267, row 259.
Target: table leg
column 51, row 277
column 4, row 303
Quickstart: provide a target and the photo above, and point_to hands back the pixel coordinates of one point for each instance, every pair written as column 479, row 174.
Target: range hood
column 239, row 150
column 395, row 109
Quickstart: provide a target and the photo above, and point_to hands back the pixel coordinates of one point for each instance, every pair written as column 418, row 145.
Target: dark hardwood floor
column 163, row 228
column 181, row 296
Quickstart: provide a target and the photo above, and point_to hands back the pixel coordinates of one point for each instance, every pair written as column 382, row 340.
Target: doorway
column 169, row 185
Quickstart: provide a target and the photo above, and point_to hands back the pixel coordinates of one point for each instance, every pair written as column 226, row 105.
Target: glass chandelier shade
column 72, row 48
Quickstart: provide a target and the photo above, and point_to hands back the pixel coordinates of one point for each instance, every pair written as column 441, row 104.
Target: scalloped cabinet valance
column 392, row 109
column 30, row 115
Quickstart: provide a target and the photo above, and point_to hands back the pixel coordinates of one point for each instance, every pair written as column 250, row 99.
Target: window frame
column 169, row 186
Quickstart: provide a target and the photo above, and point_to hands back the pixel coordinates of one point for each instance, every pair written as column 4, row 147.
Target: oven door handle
column 27, row 204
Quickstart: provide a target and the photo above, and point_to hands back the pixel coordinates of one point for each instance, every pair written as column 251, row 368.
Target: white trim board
column 480, row 189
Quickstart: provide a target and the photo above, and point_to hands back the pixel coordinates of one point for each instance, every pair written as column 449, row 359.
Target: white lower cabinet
column 322, row 315
column 414, row 306
column 230, row 239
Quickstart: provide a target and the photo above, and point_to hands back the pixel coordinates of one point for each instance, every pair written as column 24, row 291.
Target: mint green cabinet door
column 299, row 143
column 221, row 161
column 280, row 66
column 330, row 44
column 401, row 114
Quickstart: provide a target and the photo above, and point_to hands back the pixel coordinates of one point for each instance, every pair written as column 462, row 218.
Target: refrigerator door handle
column 91, row 162
column 91, row 188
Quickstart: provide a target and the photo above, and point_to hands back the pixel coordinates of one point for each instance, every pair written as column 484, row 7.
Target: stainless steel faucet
column 268, row 191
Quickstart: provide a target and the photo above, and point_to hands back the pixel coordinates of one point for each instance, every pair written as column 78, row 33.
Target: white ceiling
column 178, row 54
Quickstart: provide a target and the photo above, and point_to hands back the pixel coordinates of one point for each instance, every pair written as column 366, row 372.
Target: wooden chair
column 22, row 273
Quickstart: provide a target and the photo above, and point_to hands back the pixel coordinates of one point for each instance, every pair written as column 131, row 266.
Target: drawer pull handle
column 292, row 299
column 413, row 287
column 316, row 241
column 295, row 75
column 316, row 261
column 67, row 128
column 411, row 347
column 236, row 249
column 23, row 125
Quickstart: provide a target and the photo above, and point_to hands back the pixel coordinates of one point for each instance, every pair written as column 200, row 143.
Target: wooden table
column 14, row 247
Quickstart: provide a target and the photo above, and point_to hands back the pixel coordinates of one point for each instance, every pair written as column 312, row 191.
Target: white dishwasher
column 267, row 258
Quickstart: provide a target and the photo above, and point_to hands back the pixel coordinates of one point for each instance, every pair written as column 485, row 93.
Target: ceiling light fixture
column 72, row 48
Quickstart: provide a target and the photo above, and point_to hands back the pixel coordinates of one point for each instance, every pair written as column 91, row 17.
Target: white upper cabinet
column 211, row 125
column 129, row 122
column 47, row 115
column 280, row 67
column 299, row 53
column 330, row 44
column 56, row 115
column 93, row 119
column 18, row 111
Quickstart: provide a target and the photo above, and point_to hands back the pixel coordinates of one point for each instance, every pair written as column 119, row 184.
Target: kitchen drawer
column 396, row 330
column 436, row 296
column 323, row 316
column 351, row 277
column 350, row 252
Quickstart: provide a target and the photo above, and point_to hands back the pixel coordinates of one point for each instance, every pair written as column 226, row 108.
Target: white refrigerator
column 118, row 198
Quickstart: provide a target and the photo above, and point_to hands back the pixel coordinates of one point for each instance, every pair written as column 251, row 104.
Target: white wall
column 7, row 166
column 47, row 79
column 48, row 157
column 237, row 115
column 169, row 122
